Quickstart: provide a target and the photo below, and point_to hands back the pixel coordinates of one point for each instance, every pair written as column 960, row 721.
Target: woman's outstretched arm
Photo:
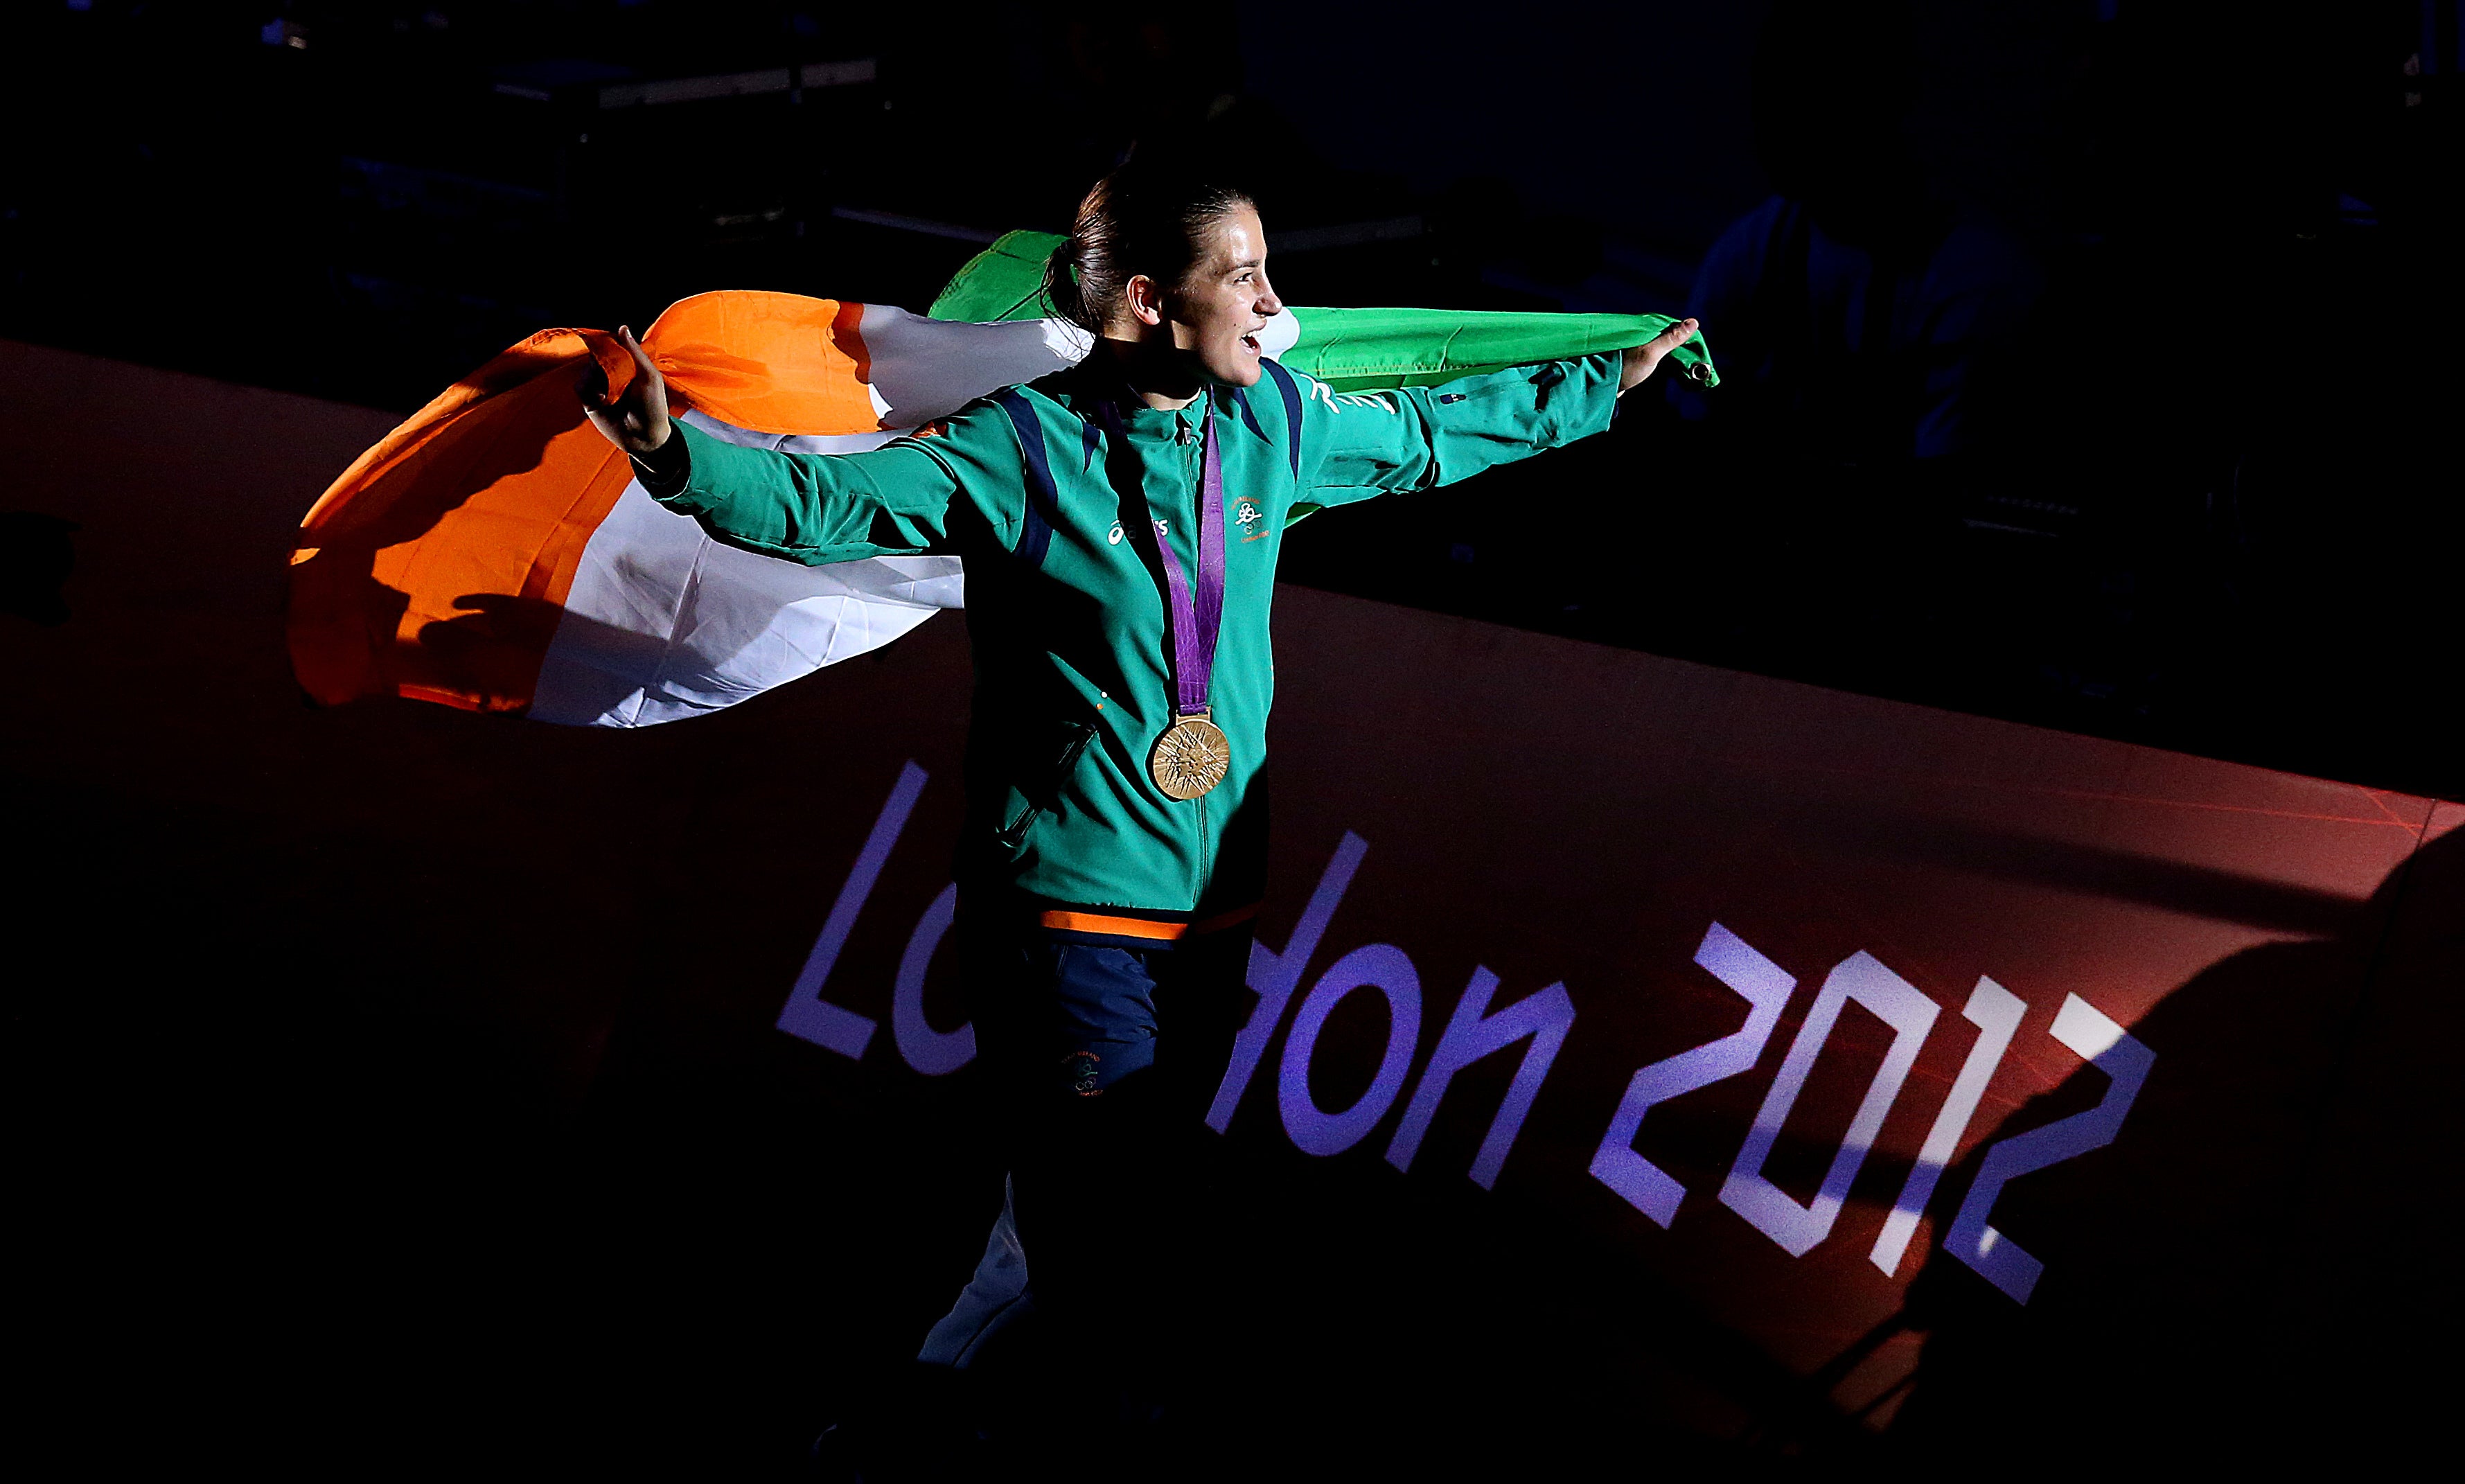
column 894, row 501
column 1356, row 445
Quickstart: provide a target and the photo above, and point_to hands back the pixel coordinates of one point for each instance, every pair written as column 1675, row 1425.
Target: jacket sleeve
column 904, row 499
column 1355, row 444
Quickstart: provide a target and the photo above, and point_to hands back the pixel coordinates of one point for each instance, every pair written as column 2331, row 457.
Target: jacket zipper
column 1205, row 873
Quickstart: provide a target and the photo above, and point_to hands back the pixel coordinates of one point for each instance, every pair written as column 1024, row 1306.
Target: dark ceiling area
column 2088, row 364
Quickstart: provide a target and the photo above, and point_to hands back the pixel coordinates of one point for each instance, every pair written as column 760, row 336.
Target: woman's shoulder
column 991, row 433
column 1071, row 390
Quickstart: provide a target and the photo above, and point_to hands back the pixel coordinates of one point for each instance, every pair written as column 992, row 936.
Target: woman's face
column 1221, row 306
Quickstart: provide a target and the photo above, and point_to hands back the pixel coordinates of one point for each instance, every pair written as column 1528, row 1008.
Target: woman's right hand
column 635, row 419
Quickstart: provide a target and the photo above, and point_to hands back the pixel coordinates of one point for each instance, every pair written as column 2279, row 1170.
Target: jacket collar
column 1098, row 379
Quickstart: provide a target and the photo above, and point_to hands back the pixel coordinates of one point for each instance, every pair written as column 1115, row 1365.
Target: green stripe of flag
column 1349, row 349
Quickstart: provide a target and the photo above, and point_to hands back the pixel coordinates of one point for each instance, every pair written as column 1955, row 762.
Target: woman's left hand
column 1642, row 361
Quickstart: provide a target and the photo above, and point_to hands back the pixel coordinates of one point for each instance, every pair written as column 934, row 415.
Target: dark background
column 2202, row 491
column 289, row 1199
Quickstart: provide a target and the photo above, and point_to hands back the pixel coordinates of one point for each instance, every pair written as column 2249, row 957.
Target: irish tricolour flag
column 494, row 552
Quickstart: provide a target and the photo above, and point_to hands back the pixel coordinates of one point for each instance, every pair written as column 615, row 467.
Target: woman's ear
column 1143, row 299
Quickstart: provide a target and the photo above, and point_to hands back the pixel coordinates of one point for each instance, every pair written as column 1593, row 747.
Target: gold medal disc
column 1192, row 757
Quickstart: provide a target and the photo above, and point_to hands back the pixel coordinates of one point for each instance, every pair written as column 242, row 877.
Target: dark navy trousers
column 1101, row 1056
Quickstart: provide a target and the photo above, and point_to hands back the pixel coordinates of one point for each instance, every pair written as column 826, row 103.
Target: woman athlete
column 1121, row 523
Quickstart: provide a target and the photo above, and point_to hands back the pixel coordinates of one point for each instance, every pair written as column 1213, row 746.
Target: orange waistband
column 1144, row 927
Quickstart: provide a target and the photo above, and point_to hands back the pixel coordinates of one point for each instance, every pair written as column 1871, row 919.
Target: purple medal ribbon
column 1195, row 620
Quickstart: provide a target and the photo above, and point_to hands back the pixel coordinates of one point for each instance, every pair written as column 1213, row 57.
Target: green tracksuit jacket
column 1068, row 620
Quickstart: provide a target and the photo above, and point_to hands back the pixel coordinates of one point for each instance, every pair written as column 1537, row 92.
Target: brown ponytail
column 1140, row 219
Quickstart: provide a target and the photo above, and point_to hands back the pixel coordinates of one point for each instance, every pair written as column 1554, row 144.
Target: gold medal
column 1190, row 758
